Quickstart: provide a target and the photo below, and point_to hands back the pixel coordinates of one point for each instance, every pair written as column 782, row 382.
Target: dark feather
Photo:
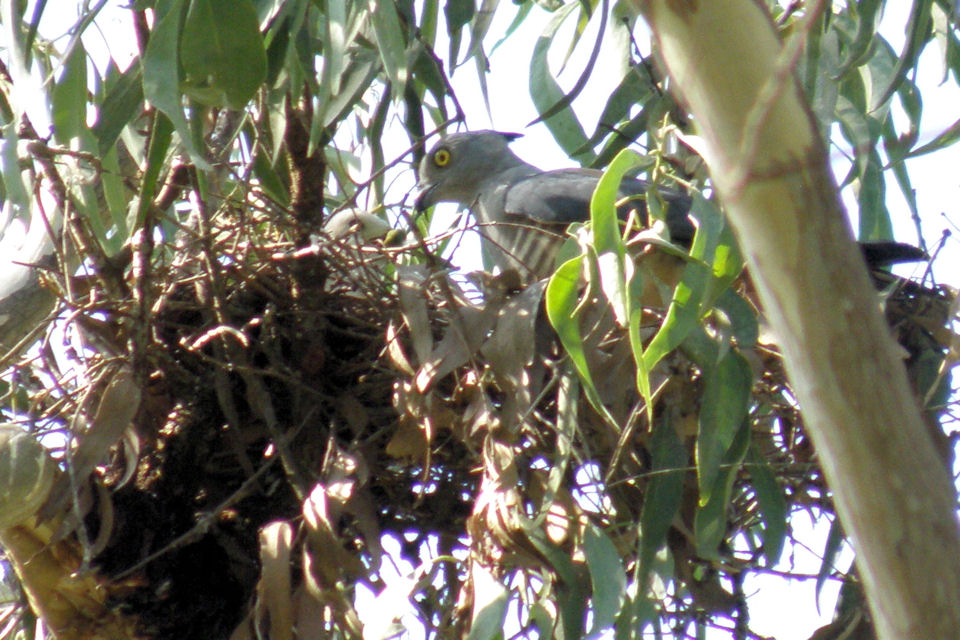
column 563, row 196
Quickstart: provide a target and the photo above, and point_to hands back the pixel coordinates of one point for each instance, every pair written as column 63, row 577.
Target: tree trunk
column 771, row 170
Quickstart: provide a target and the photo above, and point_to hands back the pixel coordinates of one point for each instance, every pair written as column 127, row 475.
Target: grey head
column 462, row 166
column 522, row 211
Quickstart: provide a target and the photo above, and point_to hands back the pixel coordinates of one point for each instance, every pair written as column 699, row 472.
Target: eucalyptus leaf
column 662, row 497
column 726, row 397
column 606, row 577
column 161, row 80
column 221, row 52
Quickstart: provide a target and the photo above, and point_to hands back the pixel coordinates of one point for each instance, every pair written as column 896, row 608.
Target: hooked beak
column 425, row 198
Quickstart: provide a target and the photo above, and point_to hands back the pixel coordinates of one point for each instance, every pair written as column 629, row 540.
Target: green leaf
column 277, row 46
column 457, row 13
column 69, row 98
column 875, row 221
column 606, row 576
column 944, row 139
column 822, row 70
column 492, row 608
column 727, row 263
column 567, row 99
column 917, row 30
column 772, row 504
column 896, row 145
column 741, row 317
column 269, row 178
column 561, row 300
column 863, row 131
column 684, row 312
column 335, row 44
column 545, row 92
column 831, row 548
column 32, row 28
column 522, row 12
column 221, row 50
column 161, row 81
column 607, row 240
column 619, row 281
column 115, row 195
column 710, row 521
column 541, row 618
column 123, row 103
column 160, row 138
column 360, row 72
column 571, row 594
column 390, row 41
column 626, row 133
column 899, row 169
column 726, row 396
column 933, row 378
column 16, row 193
column 480, row 27
column 865, row 14
column 567, row 425
column 635, row 618
column 634, row 89
column 662, row 497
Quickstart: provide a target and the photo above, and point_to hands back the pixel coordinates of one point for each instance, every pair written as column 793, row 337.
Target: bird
column 357, row 226
column 523, row 211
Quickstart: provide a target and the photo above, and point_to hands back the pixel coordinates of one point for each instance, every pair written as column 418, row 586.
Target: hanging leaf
column 606, row 577
column 222, row 54
column 161, row 80
column 69, row 98
column 710, row 521
column 123, row 102
column 390, row 41
column 662, row 498
column 772, row 504
column 725, row 401
column 546, row 93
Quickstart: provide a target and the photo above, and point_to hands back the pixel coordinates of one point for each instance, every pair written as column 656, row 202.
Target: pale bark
column 771, row 171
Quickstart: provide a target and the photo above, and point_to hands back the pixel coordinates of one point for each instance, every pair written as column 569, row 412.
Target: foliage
column 247, row 405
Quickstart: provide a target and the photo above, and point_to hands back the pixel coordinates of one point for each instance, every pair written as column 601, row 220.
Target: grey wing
column 563, row 196
column 553, row 197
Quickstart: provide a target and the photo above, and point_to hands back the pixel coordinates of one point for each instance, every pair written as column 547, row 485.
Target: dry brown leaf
column 119, row 403
column 465, row 333
column 395, row 350
column 412, row 282
column 274, row 607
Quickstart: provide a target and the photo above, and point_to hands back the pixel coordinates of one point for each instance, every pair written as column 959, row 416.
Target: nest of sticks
column 286, row 404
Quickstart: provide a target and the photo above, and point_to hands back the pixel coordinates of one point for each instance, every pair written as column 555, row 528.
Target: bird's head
column 455, row 169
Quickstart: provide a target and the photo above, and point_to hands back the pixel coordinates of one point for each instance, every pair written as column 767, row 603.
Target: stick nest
column 294, row 405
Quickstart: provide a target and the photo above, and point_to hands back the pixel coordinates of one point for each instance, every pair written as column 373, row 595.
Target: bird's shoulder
column 560, row 196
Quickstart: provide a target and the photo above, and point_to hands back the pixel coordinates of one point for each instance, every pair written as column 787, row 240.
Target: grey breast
column 520, row 227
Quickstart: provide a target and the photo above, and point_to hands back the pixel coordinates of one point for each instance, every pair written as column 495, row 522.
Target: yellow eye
column 441, row 157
